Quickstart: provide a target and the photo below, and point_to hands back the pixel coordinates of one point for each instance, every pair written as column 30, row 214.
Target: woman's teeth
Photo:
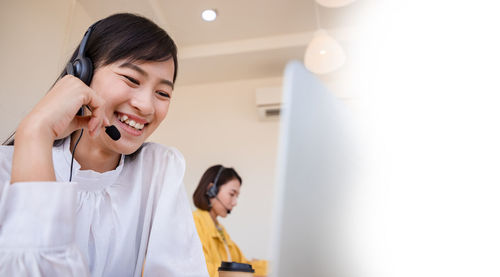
column 131, row 122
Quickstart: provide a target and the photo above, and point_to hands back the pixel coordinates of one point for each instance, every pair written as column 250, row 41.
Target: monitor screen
column 317, row 161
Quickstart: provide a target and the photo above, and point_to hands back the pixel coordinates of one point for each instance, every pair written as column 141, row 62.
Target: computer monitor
column 316, row 161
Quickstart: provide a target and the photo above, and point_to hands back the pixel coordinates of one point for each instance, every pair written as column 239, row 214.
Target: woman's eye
column 163, row 94
column 132, row 80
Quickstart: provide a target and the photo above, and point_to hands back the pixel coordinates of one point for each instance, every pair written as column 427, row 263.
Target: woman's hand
column 55, row 114
column 53, row 118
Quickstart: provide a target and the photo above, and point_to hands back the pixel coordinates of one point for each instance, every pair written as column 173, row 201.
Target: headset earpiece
column 213, row 190
column 82, row 67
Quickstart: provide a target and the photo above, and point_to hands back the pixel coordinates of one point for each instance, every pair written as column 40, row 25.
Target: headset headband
column 218, row 175
column 86, row 36
column 213, row 190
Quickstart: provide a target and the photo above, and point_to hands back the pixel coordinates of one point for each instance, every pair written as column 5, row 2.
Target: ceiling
column 249, row 39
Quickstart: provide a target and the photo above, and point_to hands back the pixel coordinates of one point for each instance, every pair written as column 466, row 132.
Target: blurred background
column 227, row 98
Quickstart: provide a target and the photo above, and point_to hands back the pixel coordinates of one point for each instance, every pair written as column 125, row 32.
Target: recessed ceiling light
column 209, row 15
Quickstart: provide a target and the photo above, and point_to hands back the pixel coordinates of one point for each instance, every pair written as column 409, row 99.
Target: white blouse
column 100, row 224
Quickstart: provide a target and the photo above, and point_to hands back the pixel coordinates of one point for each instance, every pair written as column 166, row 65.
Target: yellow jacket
column 214, row 249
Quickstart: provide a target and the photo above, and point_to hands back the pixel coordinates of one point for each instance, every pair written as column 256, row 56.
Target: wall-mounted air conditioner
column 268, row 101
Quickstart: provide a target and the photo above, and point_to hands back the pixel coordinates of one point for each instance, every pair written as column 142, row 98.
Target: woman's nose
column 143, row 101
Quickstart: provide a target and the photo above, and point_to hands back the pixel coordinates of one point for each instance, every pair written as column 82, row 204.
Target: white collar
column 87, row 179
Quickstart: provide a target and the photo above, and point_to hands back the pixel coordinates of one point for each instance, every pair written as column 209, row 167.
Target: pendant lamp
column 323, row 54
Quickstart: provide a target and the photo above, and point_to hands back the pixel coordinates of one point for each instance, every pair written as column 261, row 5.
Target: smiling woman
column 137, row 97
column 115, row 218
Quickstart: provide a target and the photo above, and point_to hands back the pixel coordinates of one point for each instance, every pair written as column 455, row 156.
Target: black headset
column 213, row 190
column 81, row 67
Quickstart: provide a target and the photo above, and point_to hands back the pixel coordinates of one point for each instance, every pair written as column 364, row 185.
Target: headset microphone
column 113, row 132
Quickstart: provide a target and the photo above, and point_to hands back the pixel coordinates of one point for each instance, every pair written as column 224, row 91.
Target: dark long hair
column 125, row 36
column 200, row 198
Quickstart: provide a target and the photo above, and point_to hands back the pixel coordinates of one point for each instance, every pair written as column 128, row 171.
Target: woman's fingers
column 95, row 125
column 81, row 122
column 98, row 117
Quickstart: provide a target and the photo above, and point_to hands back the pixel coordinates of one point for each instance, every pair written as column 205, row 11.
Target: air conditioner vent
column 268, row 102
column 273, row 112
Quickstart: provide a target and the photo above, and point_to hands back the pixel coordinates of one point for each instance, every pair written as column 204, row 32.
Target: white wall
column 218, row 123
column 29, row 65
column 36, row 41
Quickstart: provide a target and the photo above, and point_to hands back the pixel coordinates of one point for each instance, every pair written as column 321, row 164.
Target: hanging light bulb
column 334, row 3
column 323, row 54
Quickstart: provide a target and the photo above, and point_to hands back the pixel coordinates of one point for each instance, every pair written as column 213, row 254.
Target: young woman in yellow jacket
column 216, row 195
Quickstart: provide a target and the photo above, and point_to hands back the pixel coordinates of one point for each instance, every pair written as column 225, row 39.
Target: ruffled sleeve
column 37, row 230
